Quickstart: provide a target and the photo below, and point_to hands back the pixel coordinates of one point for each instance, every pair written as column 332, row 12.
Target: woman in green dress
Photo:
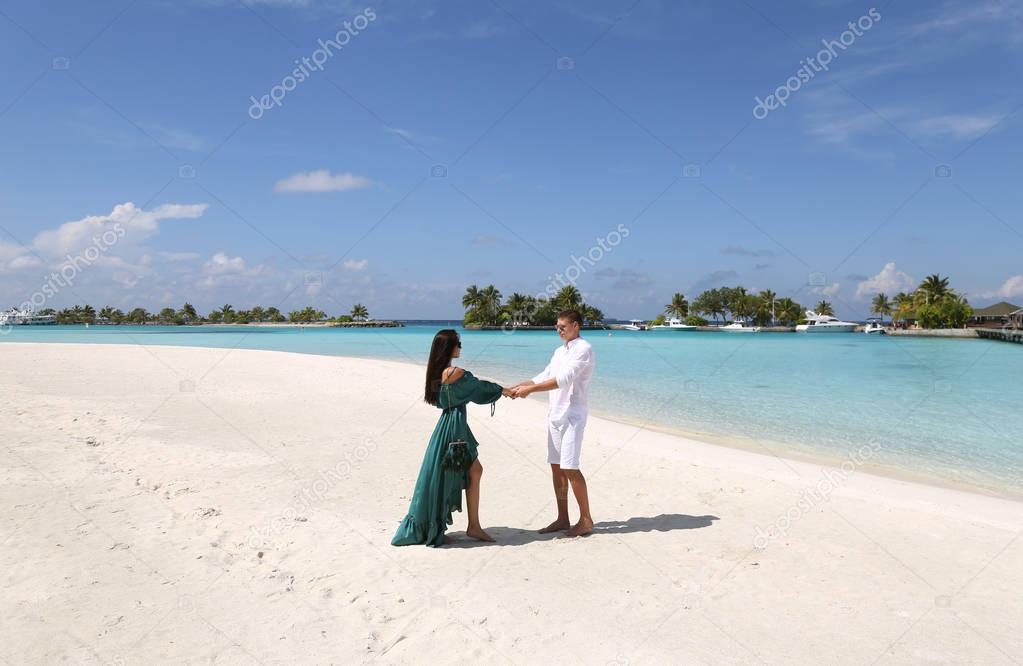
column 451, row 464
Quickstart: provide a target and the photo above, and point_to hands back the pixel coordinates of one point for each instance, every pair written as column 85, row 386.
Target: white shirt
column 572, row 364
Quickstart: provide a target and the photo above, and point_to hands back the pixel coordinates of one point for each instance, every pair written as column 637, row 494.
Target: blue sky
column 900, row 160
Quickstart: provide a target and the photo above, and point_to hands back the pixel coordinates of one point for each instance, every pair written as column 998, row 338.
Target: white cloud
column 890, row 280
column 220, row 264
column 179, row 256
column 959, row 18
column 322, row 180
column 136, row 222
column 24, row 261
column 1011, row 288
column 958, row 126
column 828, row 290
column 355, row 265
column 10, row 251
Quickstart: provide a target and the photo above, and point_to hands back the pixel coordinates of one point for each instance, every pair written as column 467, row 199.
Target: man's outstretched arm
column 523, row 389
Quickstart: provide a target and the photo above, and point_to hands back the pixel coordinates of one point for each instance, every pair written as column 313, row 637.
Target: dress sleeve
column 481, row 391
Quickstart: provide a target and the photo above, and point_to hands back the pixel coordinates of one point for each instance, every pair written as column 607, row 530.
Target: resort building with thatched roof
column 997, row 316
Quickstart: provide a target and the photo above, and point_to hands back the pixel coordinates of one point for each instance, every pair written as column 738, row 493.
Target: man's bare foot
column 556, row 526
column 582, row 528
column 478, row 534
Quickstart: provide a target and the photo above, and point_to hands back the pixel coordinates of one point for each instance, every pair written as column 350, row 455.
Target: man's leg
column 571, row 453
column 582, row 498
column 561, row 497
column 554, row 436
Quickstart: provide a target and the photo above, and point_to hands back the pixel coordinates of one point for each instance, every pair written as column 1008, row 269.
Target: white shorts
column 565, row 442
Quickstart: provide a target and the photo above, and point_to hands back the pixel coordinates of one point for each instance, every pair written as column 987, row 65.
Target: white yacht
column 24, row 317
column 673, row 324
column 821, row 323
column 739, row 327
column 634, row 325
column 874, row 327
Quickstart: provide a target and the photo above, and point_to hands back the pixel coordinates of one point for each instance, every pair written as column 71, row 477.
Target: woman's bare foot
column 582, row 528
column 556, row 526
column 478, row 534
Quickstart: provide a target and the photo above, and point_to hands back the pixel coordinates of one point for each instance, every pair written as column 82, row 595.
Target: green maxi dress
column 439, row 488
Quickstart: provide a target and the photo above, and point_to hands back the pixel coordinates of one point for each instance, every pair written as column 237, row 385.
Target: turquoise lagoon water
column 942, row 409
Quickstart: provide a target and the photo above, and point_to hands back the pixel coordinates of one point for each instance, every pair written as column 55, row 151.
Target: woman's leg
column 472, row 499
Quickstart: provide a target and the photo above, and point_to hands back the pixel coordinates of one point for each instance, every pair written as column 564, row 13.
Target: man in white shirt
column 567, row 377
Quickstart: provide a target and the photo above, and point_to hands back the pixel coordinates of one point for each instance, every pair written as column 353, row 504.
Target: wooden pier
column 1004, row 334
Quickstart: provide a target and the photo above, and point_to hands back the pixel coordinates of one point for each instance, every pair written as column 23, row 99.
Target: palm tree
column 679, row 306
column 710, row 302
column 138, row 316
column 359, row 312
column 227, row 313
column 592, row 314
column 934, row 289
column 568, row 298
column 188, row 313
column 788, row 311
column 472, row 302
column 740, row 304
column 274, row 315
column 767, row 302
column 903, row 305
column 516, row 308
column 824, row 308
column 490, row 303
column 107, row 313
column 881, row 305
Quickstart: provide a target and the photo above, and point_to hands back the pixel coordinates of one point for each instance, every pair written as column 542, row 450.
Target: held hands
column 520, row 390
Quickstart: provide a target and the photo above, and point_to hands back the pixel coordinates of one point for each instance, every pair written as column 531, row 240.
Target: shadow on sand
column 516, row 536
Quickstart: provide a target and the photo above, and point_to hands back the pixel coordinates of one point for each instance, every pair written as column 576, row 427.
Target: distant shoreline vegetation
column 484, row 308
column 933, row 304
column 226, row 314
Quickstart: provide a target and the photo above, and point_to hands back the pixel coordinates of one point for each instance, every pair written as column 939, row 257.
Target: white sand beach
column 173, row 505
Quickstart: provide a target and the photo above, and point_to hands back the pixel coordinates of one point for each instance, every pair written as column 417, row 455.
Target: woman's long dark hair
column 441, row 351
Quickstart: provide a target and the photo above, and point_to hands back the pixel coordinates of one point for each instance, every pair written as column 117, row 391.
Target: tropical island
column 226, row 314
column 932, row 305
column 484, row 309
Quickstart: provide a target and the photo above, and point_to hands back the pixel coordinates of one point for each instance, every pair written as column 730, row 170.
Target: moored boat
column 822, row 323
column 874, row 327
column 739, row 327
column 673, row 324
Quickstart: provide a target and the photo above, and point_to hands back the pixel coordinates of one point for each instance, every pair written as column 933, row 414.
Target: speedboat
column 874, row 327
column 821, row 323
column 673, row 324
column 634, row 325
column 739, row 327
